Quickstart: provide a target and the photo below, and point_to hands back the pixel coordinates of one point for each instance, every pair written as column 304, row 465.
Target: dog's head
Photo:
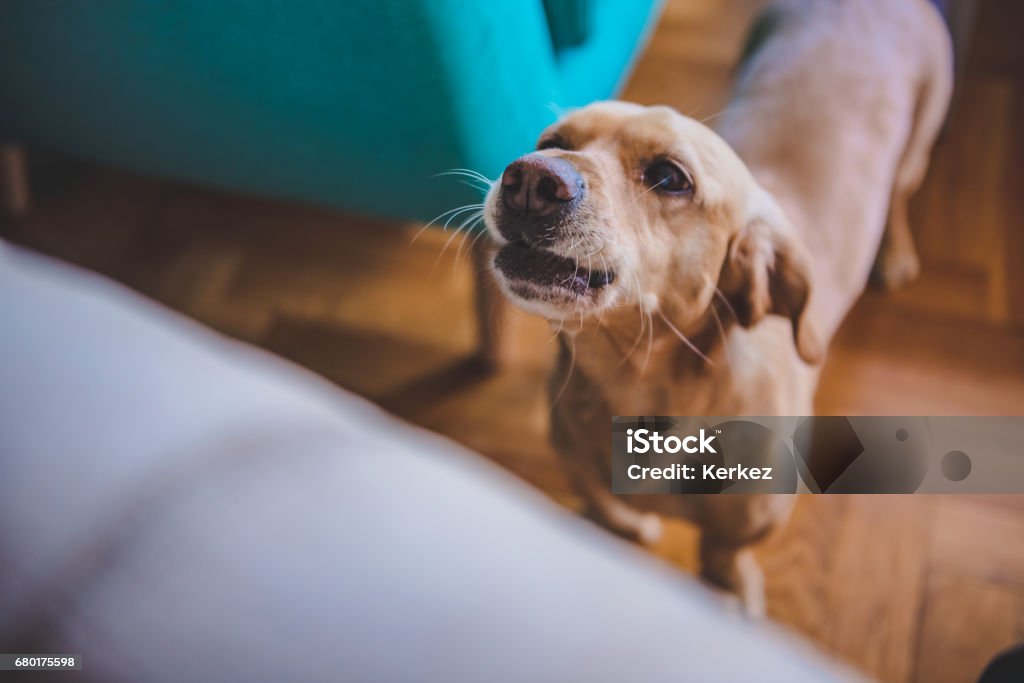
column 624, row 206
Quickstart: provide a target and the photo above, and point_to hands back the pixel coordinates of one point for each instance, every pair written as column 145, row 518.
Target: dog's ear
column 767, row 270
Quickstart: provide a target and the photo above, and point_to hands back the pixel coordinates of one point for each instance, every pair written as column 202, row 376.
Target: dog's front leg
column 581, row 434
column 734, row 569
column 607, row 509
column 731, row 524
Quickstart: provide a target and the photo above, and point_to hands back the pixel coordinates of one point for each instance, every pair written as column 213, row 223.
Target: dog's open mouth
column 522, row 264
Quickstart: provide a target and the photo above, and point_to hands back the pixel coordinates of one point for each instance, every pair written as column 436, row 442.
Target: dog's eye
column 665, row 177
column 552, row 142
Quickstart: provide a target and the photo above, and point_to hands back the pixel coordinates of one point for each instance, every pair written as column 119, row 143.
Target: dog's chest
column 664, row 394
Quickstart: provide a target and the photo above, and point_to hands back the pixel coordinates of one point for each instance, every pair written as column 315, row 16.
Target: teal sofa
column 356, row 104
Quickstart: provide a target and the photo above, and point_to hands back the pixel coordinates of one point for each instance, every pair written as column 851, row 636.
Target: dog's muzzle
column 537, row 194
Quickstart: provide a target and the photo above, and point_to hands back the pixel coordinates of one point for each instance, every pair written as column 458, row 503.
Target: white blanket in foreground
column 175, row 506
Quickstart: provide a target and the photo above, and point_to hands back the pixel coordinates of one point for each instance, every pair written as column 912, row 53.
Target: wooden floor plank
column 980, row 540
column 965, row 623
column 877, row 584
column 799, row 562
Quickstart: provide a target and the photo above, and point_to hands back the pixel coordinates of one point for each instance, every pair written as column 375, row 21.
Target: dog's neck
column 644, row 364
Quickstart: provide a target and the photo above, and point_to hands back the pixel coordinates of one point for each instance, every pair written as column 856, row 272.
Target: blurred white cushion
column 178, row 506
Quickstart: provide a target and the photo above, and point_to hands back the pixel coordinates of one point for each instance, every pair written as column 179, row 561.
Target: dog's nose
column 539, row 185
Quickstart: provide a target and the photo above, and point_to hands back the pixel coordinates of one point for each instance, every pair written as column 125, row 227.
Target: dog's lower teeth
column 544, row 268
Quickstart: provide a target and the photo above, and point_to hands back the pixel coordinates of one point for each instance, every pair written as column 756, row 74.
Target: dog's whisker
column 596, row 251
column 561, row 323
column 683, row 338
column 469, row 178
column 721, row 333
column 555, row 109
column 650, row 345
column 568, row 374
column 471, row 221
column 636, row 342
column 715, row 115
column 470, row 183
column 474, row 208
column 639, row 289
column 475, row 220
column 468, row 172
column 660, row 182
column 456, row 211
column 479, row 235
column 467, row 242
column 432, row 222
column 460, row 230
column 437, row 261
column 728, row 305
column 646, row 323
column 604, row 269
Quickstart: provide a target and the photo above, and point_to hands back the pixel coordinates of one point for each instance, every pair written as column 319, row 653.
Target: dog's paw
column 895, row 268
column 645, row 529
column 739, row 579
column 751, row 589
column 751, row 607
column 747, row 596
column 650, row 530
